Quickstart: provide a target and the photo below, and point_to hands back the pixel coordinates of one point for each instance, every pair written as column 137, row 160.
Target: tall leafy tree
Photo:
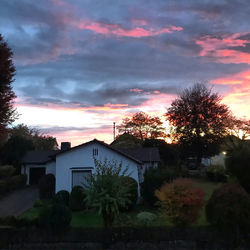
column 200, row 121
column 7, row 72
column 142, row 126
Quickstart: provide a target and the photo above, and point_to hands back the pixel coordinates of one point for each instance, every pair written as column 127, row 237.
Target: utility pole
column 114, row 129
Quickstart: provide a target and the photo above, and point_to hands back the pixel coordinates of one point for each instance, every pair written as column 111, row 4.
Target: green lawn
column 90, row 218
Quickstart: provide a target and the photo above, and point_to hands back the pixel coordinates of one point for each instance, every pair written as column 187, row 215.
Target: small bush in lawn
column 216, row 173
column 77, row 199
column 15, row 221
column 180, row 201
column 153, row 179
column 62, row 197
column 146, row 218
column 229, row 207
column 6, row 171
column 38, row 203
column 132, row 190
column 47, row 186
column 55, row 216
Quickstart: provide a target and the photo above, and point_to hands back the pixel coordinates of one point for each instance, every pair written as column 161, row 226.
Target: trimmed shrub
column 55, row 216
column 12, row 183
column 180, row 201
column 146, row 218
column 38, row 203
column 6, row 171
column 47, row 186
column 153, row 179
column 16, row 181
column 77, row 199
column 216, row 173
column 62, row 197
column 133, row 192
column 229, row 207
column 238, row 165
column 15, row 221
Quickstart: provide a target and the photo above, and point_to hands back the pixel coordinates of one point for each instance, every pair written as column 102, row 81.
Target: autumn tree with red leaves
column 143, row 126
column 7, row 72
column 200, row 120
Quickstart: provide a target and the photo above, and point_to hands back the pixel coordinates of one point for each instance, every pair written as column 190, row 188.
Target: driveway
column 18, row 201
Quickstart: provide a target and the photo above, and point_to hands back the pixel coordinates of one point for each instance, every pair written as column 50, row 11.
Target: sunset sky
column 84, row 64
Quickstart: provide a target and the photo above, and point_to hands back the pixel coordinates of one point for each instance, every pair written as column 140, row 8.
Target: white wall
column 83, row 157
column 51, row 168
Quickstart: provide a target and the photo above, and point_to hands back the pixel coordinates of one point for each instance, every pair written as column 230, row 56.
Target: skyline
column 82, row 65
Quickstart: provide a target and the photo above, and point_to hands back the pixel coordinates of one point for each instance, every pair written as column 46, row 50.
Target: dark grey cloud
column 62, row 65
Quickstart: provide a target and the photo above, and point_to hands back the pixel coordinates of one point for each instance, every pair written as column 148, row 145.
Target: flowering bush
column 180, row 201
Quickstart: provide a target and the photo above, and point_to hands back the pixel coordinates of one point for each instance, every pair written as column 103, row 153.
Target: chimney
column 65, row 146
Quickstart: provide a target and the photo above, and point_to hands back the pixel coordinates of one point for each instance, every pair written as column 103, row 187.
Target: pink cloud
column 238, row 98
column 220, row 49
column 136, row 90
column 139, row 22
column 119, row 31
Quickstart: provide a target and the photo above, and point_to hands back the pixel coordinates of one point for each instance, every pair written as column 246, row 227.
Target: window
column 95, row 151
column 79, row 177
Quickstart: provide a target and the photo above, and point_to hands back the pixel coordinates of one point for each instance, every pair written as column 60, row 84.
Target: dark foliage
column 238, row 164
column 229, row 207
column 169, row 153
column 46, row 186
column 216, row 173
column 7, row 72
column 14, row 221
column 62, row 197
column 153, row 179
column 14, row 150
column 55, row 216
column 77, row 199
column 132, row 192
column 12, row 183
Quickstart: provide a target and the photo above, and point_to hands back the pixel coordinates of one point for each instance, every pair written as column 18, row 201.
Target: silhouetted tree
column 7, row 72
column 240, row 128
column 126, row 140
column 22, row 139
column 142, row 126
column 200, row 121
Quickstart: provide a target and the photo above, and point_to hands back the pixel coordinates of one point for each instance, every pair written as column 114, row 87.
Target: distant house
column 70, row 165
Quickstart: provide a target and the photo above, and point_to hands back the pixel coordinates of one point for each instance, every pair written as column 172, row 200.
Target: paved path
column 18, row 201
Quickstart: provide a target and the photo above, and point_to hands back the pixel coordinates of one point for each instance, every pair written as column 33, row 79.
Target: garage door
column 79, row 177
column 35, row 175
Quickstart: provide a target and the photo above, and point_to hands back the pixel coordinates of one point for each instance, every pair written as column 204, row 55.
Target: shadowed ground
column 18, row 201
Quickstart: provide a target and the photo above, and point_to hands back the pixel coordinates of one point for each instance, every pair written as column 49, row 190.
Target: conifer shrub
column 180, row 201
column 77, row 199
column 132, row 192
column 46, row 186
column 229, row 207
column 62, row 197
column 153, row 179
column 55, row 216
column 238, row 164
